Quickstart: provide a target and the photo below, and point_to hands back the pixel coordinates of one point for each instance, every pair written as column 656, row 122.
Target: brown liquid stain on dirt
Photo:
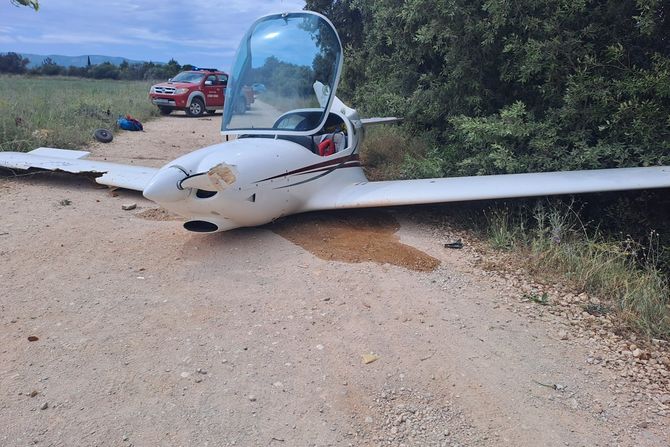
column 353, row 236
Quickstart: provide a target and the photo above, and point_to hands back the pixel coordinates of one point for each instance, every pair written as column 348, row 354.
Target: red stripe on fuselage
column 324, row 164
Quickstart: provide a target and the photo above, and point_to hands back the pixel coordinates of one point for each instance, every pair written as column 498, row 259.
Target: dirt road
column 149, row 335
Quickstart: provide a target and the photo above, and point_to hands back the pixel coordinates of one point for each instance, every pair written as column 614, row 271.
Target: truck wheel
column 103, row 135
column 196, row 108
column 165, row 110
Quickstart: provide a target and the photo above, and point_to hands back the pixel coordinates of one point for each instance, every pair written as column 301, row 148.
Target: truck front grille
column 164, row 90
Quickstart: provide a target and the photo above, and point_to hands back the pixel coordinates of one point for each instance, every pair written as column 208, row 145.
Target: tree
column 153, row 72
column 171, row 68
column 29, row 3
column 106, row 70
column 88, row 61
column 50, row 68
column 13, row 63
column 80, row 72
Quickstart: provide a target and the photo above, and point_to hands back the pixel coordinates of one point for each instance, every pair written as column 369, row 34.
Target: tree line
column 13, row 63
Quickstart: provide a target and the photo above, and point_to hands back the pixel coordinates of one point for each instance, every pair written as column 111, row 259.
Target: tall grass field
column 64, row 112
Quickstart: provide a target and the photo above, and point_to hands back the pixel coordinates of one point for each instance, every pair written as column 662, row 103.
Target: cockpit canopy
column 285, row 62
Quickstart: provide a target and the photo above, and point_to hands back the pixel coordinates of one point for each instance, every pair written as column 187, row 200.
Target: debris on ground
column 457, row 244
column 128, row 206
column 555, row 386
column 129, row 123
column 103, row 135
column 369, row 358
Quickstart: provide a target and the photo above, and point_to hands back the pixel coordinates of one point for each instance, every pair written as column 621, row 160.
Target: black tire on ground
column 103, row 135
column 196, row 108
column 165, row 110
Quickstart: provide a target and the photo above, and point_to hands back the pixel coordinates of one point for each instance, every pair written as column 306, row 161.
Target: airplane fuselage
column 250, row 181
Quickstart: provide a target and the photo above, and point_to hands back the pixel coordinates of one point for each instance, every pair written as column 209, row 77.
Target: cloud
column 163, row 37
column 200, row 31
column 71, row 38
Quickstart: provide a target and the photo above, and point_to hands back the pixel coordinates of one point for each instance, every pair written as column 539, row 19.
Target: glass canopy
column 285, row 62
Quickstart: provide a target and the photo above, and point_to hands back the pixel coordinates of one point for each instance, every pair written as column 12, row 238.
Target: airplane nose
column 164, row 187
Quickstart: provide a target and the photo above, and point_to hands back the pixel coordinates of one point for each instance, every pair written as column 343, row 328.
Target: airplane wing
column 51, row 159
column 456, row 189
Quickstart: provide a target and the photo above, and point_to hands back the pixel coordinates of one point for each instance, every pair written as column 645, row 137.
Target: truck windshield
column 188, row 76
column 285, row 62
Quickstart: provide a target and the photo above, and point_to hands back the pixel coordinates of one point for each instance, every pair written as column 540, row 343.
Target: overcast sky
column 200, row 32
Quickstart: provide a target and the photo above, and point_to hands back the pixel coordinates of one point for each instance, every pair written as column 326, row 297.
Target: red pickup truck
column 194, row 91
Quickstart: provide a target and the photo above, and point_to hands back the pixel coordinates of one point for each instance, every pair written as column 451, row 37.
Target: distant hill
column 77, row 61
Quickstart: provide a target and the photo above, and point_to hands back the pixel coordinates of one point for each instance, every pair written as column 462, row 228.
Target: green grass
column 624, row 274
column 64, row 112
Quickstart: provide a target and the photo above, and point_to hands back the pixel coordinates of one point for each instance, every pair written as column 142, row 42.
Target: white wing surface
column 413, row 192
column 50, row 159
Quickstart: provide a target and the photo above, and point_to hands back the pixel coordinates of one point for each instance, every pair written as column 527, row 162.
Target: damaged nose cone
column 164, row 187
column 222, row 176
column 217, row 178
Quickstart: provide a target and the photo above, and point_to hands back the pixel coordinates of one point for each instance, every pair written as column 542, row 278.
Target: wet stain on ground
column 353, row 236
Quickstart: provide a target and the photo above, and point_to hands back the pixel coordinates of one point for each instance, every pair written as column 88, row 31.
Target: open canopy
column 279, row 61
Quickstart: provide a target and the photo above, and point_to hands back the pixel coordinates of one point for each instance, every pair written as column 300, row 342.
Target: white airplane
column 297, row 148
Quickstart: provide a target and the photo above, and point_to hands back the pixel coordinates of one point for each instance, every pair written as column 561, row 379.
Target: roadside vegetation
column 554, row 242
column 64, row 112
